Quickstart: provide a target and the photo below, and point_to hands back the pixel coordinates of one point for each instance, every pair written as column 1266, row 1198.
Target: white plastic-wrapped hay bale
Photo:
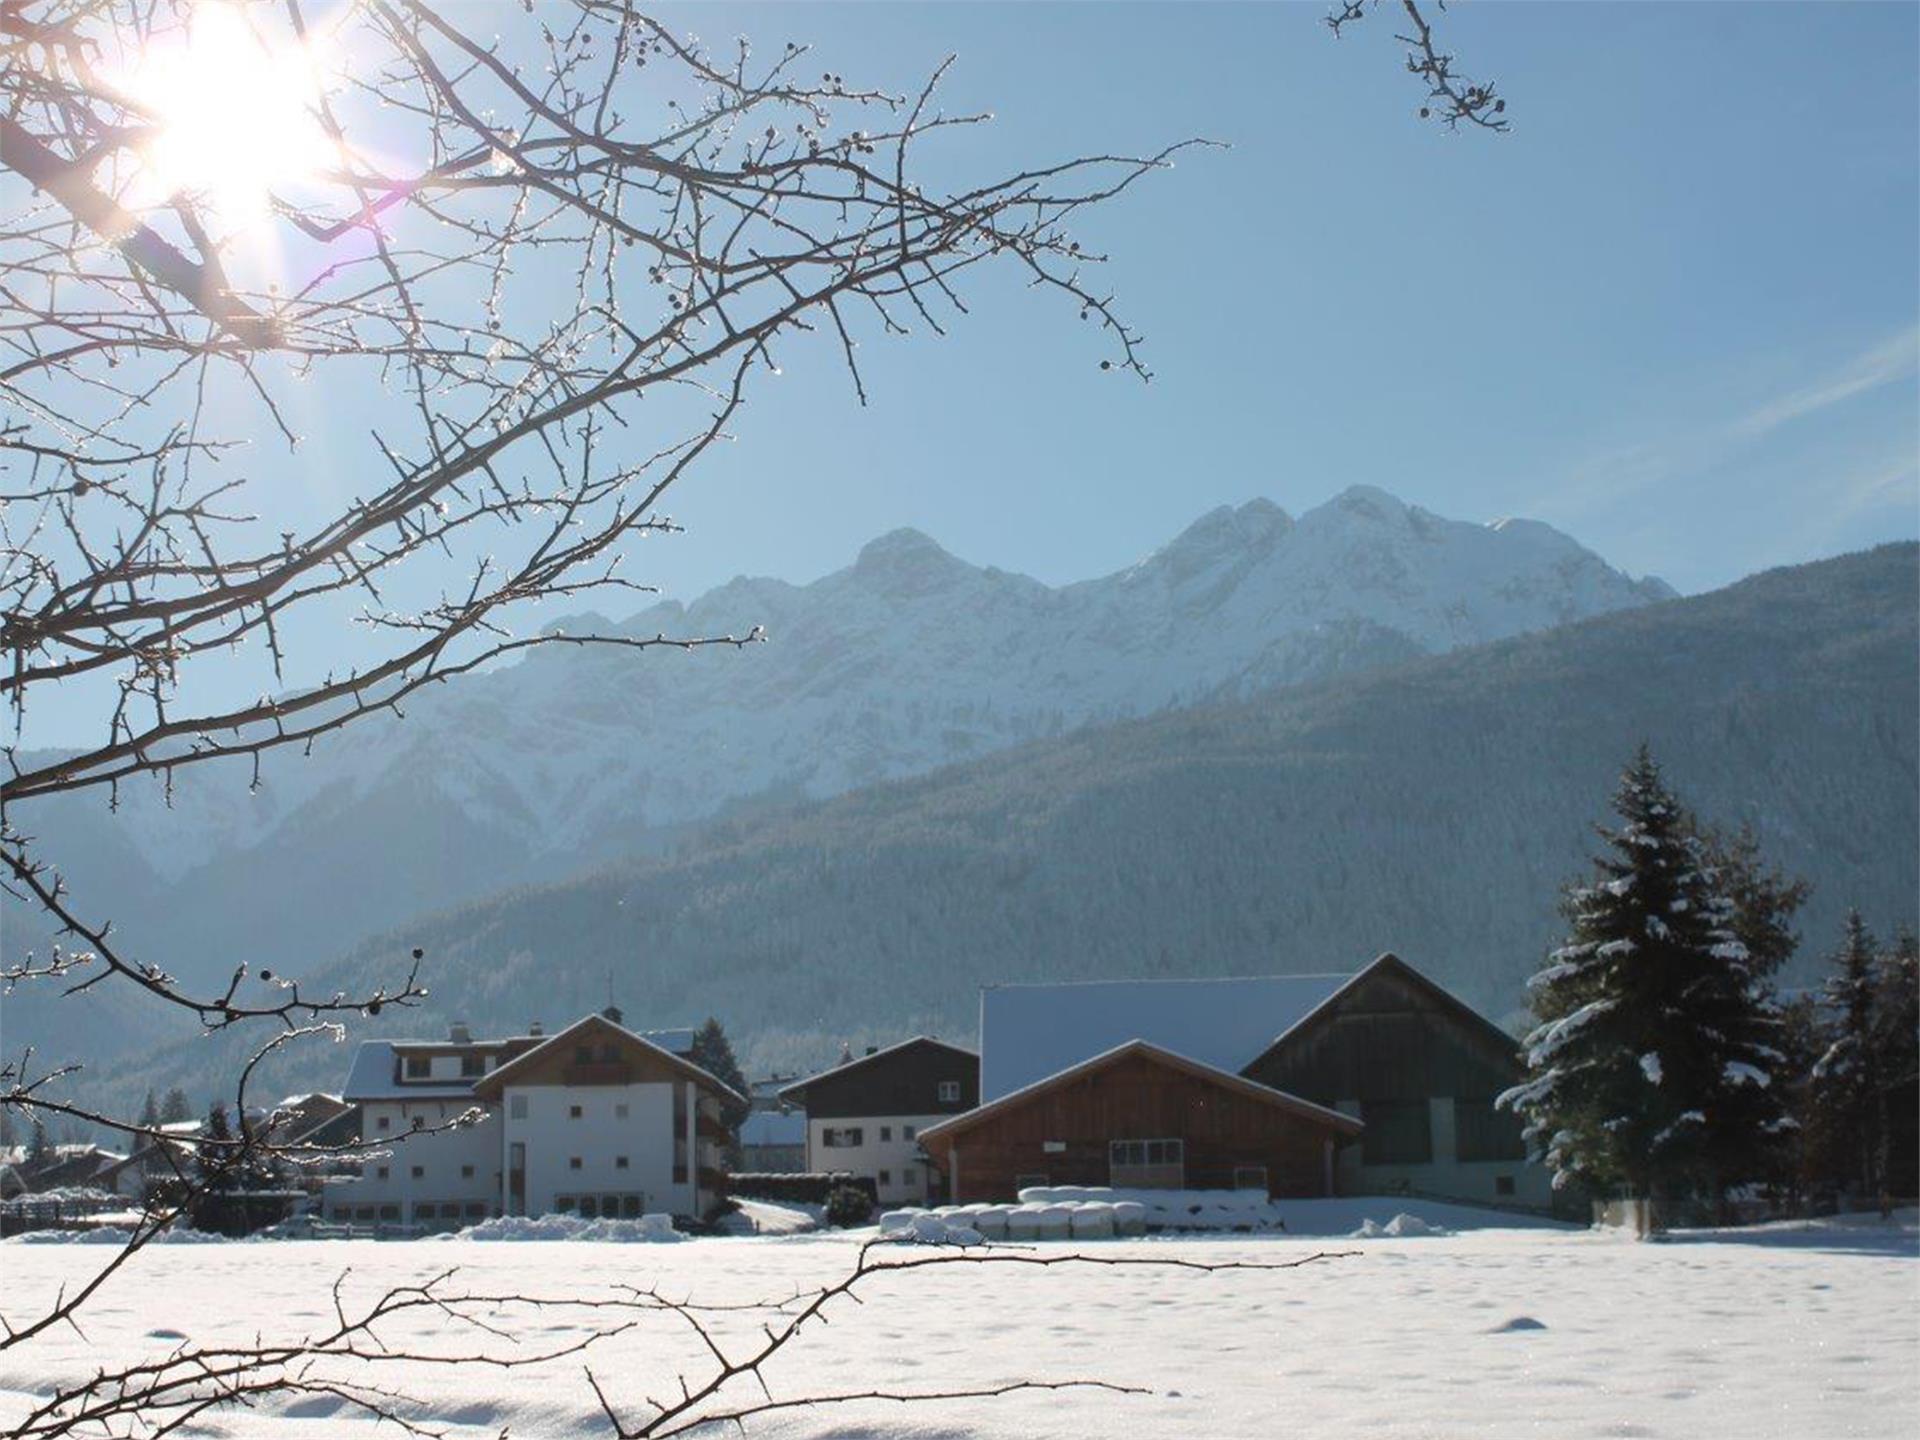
column 991, row 1221
column 1092, row 1220
column 1023, row 1222
column 897, row 1222
column 1055, row 1221
column 1037, row 1195
column 1129, row 1217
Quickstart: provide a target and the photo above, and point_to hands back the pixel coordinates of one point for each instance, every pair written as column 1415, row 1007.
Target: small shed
column 1140, row 1116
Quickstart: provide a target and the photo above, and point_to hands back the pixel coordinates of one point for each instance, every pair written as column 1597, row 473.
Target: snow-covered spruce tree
column 1846, row 1082
column 1651, row 1068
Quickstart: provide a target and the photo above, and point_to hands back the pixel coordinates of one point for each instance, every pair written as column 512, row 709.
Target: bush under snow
column 648, row 1229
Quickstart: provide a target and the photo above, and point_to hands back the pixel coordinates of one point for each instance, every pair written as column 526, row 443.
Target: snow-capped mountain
column 906, row 660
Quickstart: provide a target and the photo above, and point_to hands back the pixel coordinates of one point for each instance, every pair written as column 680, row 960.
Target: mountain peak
column 907, row 560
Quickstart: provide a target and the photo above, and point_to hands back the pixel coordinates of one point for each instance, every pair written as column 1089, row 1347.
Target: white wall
column 644, row 1135
column 441, row 1157
column 907, row 1175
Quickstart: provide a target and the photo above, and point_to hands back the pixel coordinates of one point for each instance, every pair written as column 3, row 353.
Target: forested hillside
column 1433, row 810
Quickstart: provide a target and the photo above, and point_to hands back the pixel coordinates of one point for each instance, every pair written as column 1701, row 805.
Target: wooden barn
column 1385, row 1046
column 1421, row 1068
column 1139, row 1115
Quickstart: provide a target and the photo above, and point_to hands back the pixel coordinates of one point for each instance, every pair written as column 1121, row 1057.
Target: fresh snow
column 1790, row 1331
column 908, row 659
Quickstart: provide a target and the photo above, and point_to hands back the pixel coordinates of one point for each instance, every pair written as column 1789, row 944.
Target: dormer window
column 471, row 1064
column 419, row 1067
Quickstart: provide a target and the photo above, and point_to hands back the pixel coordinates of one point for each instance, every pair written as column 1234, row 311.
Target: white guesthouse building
column 596, row 1120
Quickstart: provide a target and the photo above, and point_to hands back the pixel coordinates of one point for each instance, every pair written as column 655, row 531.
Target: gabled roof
column 1227, row 1079
column 372, row 1074
column 1028, row 1032
column 489, row 1086
column 796, row 1090
column 1390, row 962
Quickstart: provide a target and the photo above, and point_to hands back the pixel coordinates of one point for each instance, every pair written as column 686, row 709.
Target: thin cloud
column 1891, row 360
column 1633, row 469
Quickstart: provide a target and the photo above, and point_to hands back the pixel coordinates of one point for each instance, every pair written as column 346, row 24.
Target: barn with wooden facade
column 1364, row 1083
column 1421, row 1068
column 1141, row 1116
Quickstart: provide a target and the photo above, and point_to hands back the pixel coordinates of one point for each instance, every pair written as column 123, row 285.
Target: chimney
column 612, row 1012
column 459, row 1034
column 534, row 1028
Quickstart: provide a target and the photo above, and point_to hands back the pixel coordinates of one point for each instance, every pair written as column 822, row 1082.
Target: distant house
column 1139, row 1116
column 1415, row 1066
column 865, row 1116
column 596, row 1120
column 773, row 1137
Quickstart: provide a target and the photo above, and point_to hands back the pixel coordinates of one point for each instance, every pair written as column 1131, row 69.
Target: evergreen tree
column 7, row 1141
column 149, row 1112
column 1846, row 1078
column 1651, row 1069
column 1765, row 898
column 39, row 1147
column 713, row 1053
column 218, row 1176
column 1896, row 1037
column 175, row 1107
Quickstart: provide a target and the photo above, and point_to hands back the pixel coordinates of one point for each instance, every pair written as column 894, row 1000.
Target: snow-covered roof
column 373, row 1077
column 1028, row 1032
column 372, row 1074
column 774, row 1127
column 1217, row 1075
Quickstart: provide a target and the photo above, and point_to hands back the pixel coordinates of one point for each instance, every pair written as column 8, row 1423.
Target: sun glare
column 236, row 115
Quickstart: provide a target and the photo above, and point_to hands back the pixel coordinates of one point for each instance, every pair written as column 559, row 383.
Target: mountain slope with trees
column 1435, row 810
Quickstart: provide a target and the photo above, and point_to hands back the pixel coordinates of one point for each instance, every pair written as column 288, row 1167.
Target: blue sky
column 1673, row 312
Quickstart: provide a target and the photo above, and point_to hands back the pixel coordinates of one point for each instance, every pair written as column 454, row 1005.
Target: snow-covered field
column 1791, row 1331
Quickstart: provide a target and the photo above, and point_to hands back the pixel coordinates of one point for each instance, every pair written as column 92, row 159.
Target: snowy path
column 1793, row 1333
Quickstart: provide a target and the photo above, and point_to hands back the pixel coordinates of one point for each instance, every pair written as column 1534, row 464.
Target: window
column 381, row 1173
column 574, row 1112
column 949, row 1092
column 1503, row 1185
column 843, row 1139
column 473, row 1064
column 906, row 1132
column 516, row 1107
column 886, row 1134
column 620, row 1111
column 389, row 1212
column 563, row 1203
column 1160, row 1164
column 589, row 1208
column 1250, row 1177
column 419, row 1172
column 366, row 1212
column 610, row 1205
column 573, row 1162
column 423, row 1210
column 449, row 1211
column 630, row 1205
column 419, row 1122
column 384, row 1122
column 418, row 1067
column 466, row 1172
column 619, row 1162
column 907, row 1174
column 1397, row 1133
column 476, row 1210
column 886, row 1177
column 1481, row 1132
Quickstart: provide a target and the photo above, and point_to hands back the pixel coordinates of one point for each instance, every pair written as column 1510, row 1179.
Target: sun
column 236, row 115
